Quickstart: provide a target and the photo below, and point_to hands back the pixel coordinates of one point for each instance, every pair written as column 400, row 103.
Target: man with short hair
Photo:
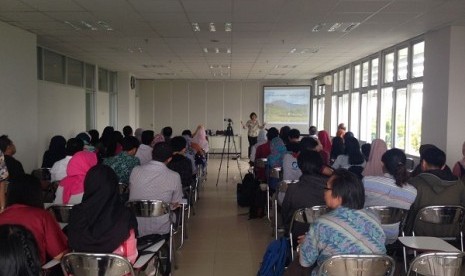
column 127, row 131
column 144, row 153
column 156, row 182
column 294, row 139
column 125, row 161
column 167, row 132
column 180, row 163
column 58, row 170
column 435, row 186
column 313, row 132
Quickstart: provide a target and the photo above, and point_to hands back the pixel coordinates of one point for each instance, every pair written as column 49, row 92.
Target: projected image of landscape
column 287, row 105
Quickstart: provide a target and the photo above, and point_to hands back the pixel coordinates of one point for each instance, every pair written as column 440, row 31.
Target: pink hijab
column 374, row 166
column 157, row 139
column 76, row 171
column 200, row 138
column 323, row 137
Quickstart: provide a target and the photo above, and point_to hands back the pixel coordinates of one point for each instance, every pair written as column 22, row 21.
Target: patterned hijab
column 278, row 150
column 374, row 166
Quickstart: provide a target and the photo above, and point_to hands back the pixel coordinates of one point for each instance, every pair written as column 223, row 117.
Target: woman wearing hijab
column 101, row 223
column 459, row 167
column 138, row 134
column 278, row 150
column 352, row 159
column 157, row 139
column 200, row 138
column 261, row 139
column 337, row 148
column 56, row 151
column 374, row 166
column 71, row 188
column 323, row 138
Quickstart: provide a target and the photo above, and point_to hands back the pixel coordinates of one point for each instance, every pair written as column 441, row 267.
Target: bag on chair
column 274, row 260
column 245, row 190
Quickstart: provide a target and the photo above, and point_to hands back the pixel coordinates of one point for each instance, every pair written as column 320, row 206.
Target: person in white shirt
column 144, row 153
column 58, row 170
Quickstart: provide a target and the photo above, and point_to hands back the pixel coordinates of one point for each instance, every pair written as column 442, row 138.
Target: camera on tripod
column 229, row 120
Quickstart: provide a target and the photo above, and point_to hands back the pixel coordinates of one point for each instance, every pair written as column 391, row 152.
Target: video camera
column 229, row 120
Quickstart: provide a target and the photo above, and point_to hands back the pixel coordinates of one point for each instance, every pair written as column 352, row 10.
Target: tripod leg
column 237, row 158
column 227, row 158
column 221, row 162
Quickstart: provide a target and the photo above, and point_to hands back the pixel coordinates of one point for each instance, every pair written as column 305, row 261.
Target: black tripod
column 229, row 133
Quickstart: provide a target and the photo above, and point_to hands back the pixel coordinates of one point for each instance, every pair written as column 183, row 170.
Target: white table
column 422, row 243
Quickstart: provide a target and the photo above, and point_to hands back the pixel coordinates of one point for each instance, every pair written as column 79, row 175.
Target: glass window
column 389, row 67
column 75, row 74
column 341, row 80
column 374, row 71
column 54, row 67
column 344, row 112
column 334, row 119
column 415, row 107
column 365, row 74
column 372, row 112
column 102, row 80
column 90, row 76
column 354, row 113
column 363, row 117
column 113, row 80
column 402, row 63
column 321, row 113
column 418, row 59
column 321, row 89
column 401, row 109
column 385, row 128
column 357, row 76
column 347, row 80
column 314, row 111
column 335, row 84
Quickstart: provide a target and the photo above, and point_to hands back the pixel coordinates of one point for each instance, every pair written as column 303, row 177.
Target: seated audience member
column 374, row 165
column 284, row 134
column 19, row 254
column 366, row 149
column 294, row 139
column 25, row 208
column 58, row 170
column 87, row 140
column 144, row 153
column 104, row 142
column 3, row 177
column 312, row 132
column 290, row 168
column 199, row 138
column 348, row 134
column 167, row 132
column 341, row 130
column 179, row 162
column 190, row 151
column 71, row 188
column 261, row 139
column 158, row 138
column 94, row 137
column 15, row 168
column 138, row 134
column 391, row 189
column 278, row 149
column 323, row 138
column 56, row 151
column 125, row 161
column 155, row 181
column 264, row 151
column 418, row 169
column 127, row 131
column 113, row 145
column 347, row 229
column 337, row 148
column 459, row 167
column 435, row 186
column 308, row 192
column 352, row 159
column 101, row 223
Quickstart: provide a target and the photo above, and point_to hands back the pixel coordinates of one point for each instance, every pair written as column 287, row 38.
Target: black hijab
column 56, row 151
column 101, row 222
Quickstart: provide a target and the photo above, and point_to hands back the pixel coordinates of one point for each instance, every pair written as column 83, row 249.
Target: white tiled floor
column 222, row 241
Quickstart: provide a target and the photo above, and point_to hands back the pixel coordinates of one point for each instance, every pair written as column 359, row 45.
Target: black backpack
column 246, row 190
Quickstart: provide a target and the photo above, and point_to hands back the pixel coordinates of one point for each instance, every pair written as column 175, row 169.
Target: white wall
column 18, row 92
column 102, row 110
column 126, row 102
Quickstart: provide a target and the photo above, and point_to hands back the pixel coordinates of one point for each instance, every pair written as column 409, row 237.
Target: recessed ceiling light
column 335, row 27
column 205, row 50
column 228, row 50
column 351, row 27
column 88, row 26
column 318, row 27
column 293, row 50
column 217, row 50
column 212, row 27
column 228, row 27
column 195, row 27
column 105, row 25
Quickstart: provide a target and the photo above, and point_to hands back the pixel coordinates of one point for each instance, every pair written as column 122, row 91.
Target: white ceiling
column 264, row 33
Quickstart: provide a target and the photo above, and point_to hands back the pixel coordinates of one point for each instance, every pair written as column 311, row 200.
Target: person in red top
column 25, row 208
column 264, row 150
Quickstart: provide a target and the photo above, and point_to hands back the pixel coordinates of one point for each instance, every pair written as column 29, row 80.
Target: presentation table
column 216, row 144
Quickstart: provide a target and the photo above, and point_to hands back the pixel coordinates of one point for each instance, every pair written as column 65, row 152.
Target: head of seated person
column 312, row 131
column 147, row 137
column 309, row 143
column 25, row 191
column 19, row 255
column 130, row 145
column 272, row 133
column 162, row 152
column 167, row 132
column 127, row 131
column 344, row 189
column 178, row 144
column 433, row 159
column 74, row 145
column 187, row 132
column 309, row 162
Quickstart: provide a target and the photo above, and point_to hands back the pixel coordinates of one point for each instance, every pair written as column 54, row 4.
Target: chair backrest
column 276, row 173
column 61, row 212
column 450, row 217
column 410, row 164
column 93, row 264
column 308, row 215
column 42, row 174
column 260, row 163
column 438, row 264
column 389, row 215
column 358, row 265
column 149, row 208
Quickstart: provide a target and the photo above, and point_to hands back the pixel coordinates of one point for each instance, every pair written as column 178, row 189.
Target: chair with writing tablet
column 438, row 264
column 358, row 265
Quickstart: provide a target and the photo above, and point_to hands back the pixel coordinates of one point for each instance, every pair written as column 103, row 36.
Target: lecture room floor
column 221, row 239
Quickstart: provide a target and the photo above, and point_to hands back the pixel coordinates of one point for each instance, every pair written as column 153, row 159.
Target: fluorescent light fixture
column 293, row 50
column 351, row 27
column 335, row 27
column 88, row 26
column 228, row 50
column 217, row 50
column 228, row 27
column 105, row 25
column 212, row 27
column 318, row 27
column 205, row 50
column 195, row 27
column 72, row 25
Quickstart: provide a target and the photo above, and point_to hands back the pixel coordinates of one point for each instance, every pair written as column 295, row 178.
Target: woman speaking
column 253, row 126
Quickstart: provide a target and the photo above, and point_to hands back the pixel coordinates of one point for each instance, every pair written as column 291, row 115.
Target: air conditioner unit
column 328, row 80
